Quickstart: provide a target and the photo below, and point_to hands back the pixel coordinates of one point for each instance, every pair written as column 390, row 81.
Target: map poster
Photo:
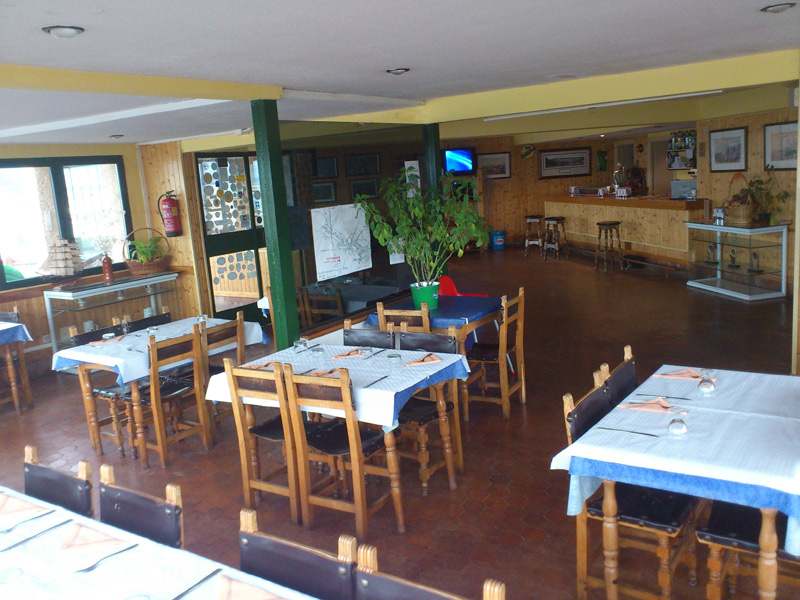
column 341, row 241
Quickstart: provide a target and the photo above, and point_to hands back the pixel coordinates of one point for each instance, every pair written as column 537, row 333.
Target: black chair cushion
column 428, row 342
column 607, row 223
column 96, row 335
column 333, row 440
column 142, row 515
column 377, row 586
column 533, row 217
column 483, row 352
column 645, row 507
column 170, row 387
column 153, row 321
column 272, row 429
column 368, row 337
column 621, row 383
column 420, row 411
column 736, row 526
column 306, row 570
column 59, row 488
column 588, row 412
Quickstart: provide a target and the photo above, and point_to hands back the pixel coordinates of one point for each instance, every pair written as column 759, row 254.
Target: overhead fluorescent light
column 551, row 111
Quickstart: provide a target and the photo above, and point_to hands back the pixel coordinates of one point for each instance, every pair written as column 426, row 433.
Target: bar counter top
column 651, row 202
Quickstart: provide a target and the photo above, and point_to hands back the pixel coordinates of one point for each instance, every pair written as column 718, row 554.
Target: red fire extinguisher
column 168, row 209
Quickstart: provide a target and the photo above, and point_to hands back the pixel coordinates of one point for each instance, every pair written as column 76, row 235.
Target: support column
column 276, row 222
column 433, row 156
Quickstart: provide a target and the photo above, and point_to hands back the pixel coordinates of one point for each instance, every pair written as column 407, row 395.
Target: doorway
column 624, row 152
column 661, row 176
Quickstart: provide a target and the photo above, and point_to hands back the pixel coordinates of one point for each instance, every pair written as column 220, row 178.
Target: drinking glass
column 706, row 385
column 151, row 330
column 677, row 427
column 300, row 345
column 109, row 336
column 395, row 359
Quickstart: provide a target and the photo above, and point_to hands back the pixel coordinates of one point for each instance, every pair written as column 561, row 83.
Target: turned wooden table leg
column 393, row 464
column 610, row 539
column 12, row 377
column 138, row 418
column 767, row 556
column 444, row 432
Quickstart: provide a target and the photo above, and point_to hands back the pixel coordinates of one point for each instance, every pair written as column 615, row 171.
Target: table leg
column 767, row 561
column 23, row 374
column 393, row 464
column 582, row 552
column 444, row 432
column 250, row 417
column 138, row 418
column 12, row 376
column 453, row 390
column 90, row 408
column 610, row 539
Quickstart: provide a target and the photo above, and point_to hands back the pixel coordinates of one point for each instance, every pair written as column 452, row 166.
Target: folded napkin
column 111, row 341
column 430, row 357
column 14, row 511
column 324, row 373
column 654, row 405
column 354, row 353
column 689, row 374
column 262, row 366
column 232, row 589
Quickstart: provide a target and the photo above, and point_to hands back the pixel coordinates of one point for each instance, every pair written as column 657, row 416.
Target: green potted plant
column 427, row 226
column 145, row 258
column 758, row 191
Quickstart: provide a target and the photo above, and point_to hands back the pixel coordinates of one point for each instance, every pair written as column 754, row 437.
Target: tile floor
column 507, row 518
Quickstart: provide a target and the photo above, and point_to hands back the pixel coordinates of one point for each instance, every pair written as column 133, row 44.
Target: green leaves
column 146, row 251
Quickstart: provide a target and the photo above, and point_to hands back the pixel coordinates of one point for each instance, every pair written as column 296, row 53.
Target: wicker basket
column 151, row 267
column 739, row 214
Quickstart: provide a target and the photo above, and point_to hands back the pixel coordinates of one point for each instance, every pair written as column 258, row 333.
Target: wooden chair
column 319, row 307
column 419, row 412
column 215, row 338
column 649, row 519
column 374, row 338
column 511, row 340
column 259, row 386
column 156, row 519
column 144, row 323
column 13, row 359
column 417, row 320
column 371, row 584
column 622, row 381
column 63, row 489
column 350, row 445
column 308, row 570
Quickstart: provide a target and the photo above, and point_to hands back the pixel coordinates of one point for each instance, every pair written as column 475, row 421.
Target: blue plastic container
column 498, row 240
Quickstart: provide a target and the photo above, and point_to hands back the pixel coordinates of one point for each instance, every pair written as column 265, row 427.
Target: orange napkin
column 262, row 366
column 354, row 353
column 13, row 511
column 231, row 589
column 111, row 341
column 324, row 373
column 430, row 357
column 85, row 539
column 653, row 405
column 689, row 374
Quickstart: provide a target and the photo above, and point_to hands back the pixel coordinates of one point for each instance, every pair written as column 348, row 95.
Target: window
column 49, row 201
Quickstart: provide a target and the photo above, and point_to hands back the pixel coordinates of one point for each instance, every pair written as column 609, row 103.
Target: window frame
column 61, row 199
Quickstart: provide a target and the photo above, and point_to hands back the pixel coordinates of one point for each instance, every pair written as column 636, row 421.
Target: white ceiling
column 345, row 48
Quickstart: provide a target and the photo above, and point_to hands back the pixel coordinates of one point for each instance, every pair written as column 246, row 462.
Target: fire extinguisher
column 168, row 209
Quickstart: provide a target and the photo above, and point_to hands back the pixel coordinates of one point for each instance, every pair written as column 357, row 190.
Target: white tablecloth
column 741, row 445
column 13, row 332
column 44, row 568
column 379, row 403
column 129, row 357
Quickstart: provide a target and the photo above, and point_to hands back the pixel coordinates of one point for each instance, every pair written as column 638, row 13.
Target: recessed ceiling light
column 63, row 32
column 116, row 136
column 398, row 71
column 778, row 8
column 602, row 135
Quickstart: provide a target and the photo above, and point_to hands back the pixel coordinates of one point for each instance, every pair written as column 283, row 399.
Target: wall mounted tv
column 459, row 161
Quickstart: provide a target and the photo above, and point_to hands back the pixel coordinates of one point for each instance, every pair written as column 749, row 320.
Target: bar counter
column 650, row 226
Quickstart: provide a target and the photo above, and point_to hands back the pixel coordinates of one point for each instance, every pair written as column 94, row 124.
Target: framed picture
column 324, row 192
column 365, row 187
column 326, row 168
column 565, row 163
column 357, row 165
column 728, row 149
column 780, row 145
column 495, row 166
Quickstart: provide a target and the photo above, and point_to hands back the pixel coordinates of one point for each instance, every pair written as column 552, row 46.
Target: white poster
column 341, row 241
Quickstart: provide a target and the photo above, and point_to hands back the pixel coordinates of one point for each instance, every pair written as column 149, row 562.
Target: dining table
column 49, row 553
column 735, row 443
column 381, row 383
column 12, row 339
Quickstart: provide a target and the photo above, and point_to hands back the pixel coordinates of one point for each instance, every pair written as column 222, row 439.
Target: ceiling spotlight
column 116, row 136
column 398, row 71
column 63, row 32
column 602, row 135
column 778, row 8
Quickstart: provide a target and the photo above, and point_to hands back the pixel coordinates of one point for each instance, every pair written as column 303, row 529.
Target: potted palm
column 427, row 226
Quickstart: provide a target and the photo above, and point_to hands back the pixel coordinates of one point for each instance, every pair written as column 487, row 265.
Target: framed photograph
column 326, row 168
column 573, row 162
column 495, row 166
column 780, row 145
column 357, row 165
column 324, row 192
column 365, row 187
column 728, row 149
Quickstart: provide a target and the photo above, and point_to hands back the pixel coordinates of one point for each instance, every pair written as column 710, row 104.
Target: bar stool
column 606, row 230
column 537, row 241
column 555, row 236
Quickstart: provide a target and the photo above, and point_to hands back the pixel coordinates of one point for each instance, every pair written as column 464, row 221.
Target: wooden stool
column 537, row 241
column 555, row 236
column 608, row 228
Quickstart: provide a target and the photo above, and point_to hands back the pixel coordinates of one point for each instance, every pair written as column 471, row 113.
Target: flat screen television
column 459, row 161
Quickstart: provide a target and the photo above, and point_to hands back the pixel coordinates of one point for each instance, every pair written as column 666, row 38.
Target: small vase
column 108, row 271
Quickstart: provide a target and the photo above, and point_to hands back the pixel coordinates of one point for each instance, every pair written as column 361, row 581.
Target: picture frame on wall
column 324, row 192
column 495, row 166
column 780, row 146
column 728, row 149
column 365, row 187
column 568, row 162
column 326, row 168
column 357, row 165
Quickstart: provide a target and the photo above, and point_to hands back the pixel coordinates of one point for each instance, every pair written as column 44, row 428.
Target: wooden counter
column 650, row 226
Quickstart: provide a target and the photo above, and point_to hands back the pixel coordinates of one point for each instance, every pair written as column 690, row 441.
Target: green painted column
column 433, row 156
column 276, row 222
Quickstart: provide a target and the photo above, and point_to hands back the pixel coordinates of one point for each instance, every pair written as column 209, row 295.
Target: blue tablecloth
column 13, row 332
column 452, row 310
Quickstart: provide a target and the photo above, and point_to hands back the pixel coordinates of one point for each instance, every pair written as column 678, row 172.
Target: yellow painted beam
column 63, row 80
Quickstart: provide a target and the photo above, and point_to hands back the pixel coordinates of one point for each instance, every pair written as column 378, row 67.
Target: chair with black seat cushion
column 373, row 338
column 654, row 520
column 64, row 489
column 156, row 519
column 154, row 321
column 419, row 412
column 622, row 380
column 349, row 444
column 310, row 571
column 371, row 584
column 416, row 320
column 13, row 359
column 732, row 535
column 510, row 341
column 80, row 339
column 259, row 386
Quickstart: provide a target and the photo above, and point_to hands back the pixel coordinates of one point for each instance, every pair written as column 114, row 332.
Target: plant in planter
column 758, row 193
column 144, row 258
column 147, row 251
column 427, row 226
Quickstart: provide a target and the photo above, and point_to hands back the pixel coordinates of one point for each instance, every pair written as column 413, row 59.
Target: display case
column 95, row 305
column 745, row 262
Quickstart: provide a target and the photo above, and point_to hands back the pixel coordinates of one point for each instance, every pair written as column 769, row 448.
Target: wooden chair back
column 79, row 339
column 416, row 320
column 622, row 380
column 308, row 570
column 146, row 322
column 322, row 305
column 512, row 323
column 219, row 336
column 11, row 316
column 368, row 337
column 581, row 416
column 63, row 489
column 156, row 519
column 430, row 342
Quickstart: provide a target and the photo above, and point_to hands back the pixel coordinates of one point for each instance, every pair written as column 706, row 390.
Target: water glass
column 300, row 345
column 706, row 385
column 395, row 359
column 317, row 350
column 109, row 336
column 202, row 318
column 677, row 427
column 151, row 331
